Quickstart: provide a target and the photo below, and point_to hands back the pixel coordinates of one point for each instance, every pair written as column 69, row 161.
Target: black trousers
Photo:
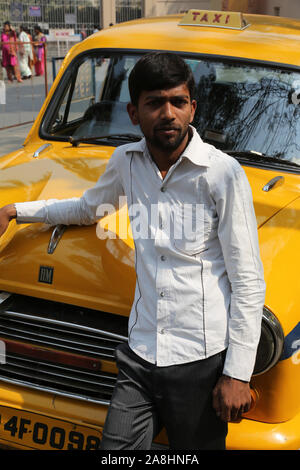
column 147, row 397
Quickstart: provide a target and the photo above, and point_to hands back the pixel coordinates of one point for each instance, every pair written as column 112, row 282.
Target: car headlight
column 270, row 345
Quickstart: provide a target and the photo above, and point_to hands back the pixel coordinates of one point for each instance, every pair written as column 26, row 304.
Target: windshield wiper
column 130, row 137
column 259, row 157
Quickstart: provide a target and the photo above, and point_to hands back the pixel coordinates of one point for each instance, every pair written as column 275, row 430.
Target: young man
column 195, row 320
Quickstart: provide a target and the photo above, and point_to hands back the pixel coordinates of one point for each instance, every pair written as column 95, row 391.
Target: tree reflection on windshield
column 249, row 114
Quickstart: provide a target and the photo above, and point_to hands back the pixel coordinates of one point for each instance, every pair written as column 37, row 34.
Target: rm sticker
column 46, row 274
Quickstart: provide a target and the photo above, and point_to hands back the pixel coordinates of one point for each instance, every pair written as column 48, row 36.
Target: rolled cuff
column 239, row 362
column 28, row 212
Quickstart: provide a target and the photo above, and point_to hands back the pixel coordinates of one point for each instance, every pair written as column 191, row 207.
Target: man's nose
column 167, row 111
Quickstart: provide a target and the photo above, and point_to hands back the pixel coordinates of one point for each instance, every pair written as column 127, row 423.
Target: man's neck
column 164, row 159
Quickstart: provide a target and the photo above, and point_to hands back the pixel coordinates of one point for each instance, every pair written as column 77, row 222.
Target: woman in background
column 39, row 45
column 9, row 53
column 24, row 53
column 31, row 57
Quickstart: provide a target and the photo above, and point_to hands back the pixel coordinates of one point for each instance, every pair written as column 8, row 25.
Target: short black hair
column 159, row 71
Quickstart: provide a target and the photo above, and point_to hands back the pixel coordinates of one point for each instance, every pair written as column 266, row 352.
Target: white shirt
column 23, row 37
column 196, row 294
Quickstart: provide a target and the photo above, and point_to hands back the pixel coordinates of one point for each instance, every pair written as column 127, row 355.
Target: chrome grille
column 60, row 327
column 53, row 377
column 55, row 334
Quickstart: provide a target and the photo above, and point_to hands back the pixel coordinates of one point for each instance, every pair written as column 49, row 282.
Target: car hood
column 86, row 270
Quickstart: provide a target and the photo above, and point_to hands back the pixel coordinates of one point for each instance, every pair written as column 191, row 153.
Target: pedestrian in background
column 39, row 49
column 31, row 57
column 83, row 34
column 9, row 53
column 24, row 53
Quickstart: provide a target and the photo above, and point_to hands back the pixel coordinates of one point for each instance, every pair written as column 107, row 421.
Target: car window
column 96, row 99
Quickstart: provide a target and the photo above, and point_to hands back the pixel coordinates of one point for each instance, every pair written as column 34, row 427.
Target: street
column 23, row 102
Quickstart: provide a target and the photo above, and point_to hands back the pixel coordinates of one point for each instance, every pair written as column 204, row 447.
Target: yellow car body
column 93, row 279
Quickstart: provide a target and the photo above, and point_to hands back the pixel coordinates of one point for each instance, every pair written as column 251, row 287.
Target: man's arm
column 78, row 211
column 238, row 236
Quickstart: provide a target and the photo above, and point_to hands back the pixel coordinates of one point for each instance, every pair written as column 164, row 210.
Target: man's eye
column 154, row 103
column 179, row 102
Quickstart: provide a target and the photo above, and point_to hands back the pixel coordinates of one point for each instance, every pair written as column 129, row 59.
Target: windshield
column 240, row 107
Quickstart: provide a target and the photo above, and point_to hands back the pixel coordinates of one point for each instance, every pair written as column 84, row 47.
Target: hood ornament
column 55, row 237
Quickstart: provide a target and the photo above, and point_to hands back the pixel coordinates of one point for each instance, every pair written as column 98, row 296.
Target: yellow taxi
column 65, row 293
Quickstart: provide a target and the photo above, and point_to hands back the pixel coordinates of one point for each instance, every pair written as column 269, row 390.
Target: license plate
column 41, row 432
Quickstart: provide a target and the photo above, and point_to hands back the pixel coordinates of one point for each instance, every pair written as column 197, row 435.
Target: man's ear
column 133, row 114
column 193, row 109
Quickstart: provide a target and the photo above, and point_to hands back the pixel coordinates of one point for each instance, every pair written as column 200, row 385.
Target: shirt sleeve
column 238, row 236
column 84, row 210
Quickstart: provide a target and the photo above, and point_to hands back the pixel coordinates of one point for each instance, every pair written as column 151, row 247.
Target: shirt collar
column 197, row 151
column 139, row 146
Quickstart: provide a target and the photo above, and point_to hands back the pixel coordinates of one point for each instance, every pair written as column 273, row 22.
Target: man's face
column 164, row 116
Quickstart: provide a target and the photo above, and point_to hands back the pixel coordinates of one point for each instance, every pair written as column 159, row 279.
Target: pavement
column 23, row 102
column 12, row 139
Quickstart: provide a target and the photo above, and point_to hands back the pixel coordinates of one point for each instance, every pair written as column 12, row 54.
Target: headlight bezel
column 272, row 338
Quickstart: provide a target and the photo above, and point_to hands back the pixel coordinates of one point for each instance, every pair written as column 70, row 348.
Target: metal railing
column 22, row 98
column 128, row 10
column 52, row 14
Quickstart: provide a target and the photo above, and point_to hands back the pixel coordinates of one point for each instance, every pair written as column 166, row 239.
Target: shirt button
column 162, row 331
column 162, row 294
column 163, row 258
column 163, row 189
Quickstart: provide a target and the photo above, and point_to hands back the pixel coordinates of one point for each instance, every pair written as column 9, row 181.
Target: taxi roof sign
column 216, row 19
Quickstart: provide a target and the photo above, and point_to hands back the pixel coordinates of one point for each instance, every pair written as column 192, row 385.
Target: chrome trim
column 59, row 335
column 56, row 235
column 278, row 336
column 66, row 348
column 4, row 296
column 60, row 371
column 54, row 391
column 58, row 378
column 66, row 324
column 272, row 183
column 41, row 149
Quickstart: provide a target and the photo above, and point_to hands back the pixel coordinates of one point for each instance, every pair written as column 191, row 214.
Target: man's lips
column 167, row 130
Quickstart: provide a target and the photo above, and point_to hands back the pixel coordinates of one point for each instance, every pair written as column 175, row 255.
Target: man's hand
column 231, row 398
column 7, row 213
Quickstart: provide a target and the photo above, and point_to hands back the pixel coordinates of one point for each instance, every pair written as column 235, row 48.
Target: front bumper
column 76, row 417
column 255, row 435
